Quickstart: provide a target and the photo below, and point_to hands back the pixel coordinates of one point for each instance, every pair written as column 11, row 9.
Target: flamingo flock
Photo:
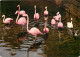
column 56, row 21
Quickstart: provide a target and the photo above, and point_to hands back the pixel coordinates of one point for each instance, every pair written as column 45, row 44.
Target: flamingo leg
column 18, row 43
column 59, row 35
column 28, row 53
column 35, row 40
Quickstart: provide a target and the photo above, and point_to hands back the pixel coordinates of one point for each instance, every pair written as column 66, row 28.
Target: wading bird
column 36, row 15
column 7, row 20
column 34, row 31
column 46, row 11
column 53, row 22
column 21, row 21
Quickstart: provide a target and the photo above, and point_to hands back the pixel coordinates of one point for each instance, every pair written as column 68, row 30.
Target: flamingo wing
column 22, row 21
column 7, row 20
column 34, row 31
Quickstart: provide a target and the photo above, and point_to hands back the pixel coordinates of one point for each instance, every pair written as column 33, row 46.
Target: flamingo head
column 46, row 7
column 35, row 6
column 3, row 15
column 16, row 12
column 18, row 5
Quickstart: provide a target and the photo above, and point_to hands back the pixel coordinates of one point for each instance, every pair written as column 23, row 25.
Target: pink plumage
column 53, row 22
column 46, row 12
column 60, row 25
column 22, row 12
column 7, row 20
column 46, row 30
column 36, row 15
column 34, row 31
column 56, row 18
column 21, row 21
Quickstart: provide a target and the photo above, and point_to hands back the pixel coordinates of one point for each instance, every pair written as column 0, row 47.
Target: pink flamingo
column 46, row 12
column 7, row 20
column 36, row 15
column 57, row 17
column 60, row 24
column 46, row 30
column 34, row 31
column 53, row 22
column 21, row 12
column 22, row 21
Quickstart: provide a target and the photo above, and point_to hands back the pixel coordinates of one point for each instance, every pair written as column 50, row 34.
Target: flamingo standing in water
column 7, row 20
column 34, row 31
column 53, row 22
column 60, row 24
column 46, row 11
column 36, row 15
column 46, row 30
column 22, row 21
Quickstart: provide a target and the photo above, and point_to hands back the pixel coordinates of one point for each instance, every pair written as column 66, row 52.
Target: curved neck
column 35, row 10
column 27, row 24
column 71, row 21
column 60, row 19
column 17, row 16
column 3, row 18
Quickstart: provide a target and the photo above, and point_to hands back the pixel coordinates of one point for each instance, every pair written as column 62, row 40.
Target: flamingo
column 34, row 31
column 53, row 22
column 21, row 21
column 60, row 24
column 21, row 12
column 46, row 30
column 46, row 12
column 36, row 15
column 57, row 17
column 7, row 20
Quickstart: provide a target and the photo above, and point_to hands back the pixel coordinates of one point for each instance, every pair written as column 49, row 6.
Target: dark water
column 9, row 46
column 63, row 46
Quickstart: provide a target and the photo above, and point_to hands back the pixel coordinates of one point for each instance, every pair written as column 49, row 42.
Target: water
column 59, row 44
column 9, row 47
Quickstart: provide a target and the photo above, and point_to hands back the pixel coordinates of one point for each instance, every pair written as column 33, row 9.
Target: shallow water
column 9, row 47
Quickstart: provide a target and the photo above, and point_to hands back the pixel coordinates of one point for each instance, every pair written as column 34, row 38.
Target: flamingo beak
column 18, row 6
column 15, row 12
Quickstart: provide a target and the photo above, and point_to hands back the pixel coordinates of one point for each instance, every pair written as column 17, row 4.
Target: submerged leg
column 35, row 40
